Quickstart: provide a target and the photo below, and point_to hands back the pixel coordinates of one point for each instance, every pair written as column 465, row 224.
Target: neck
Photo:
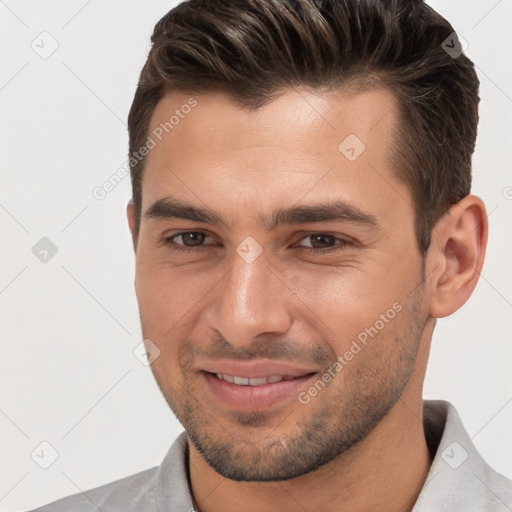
column 385, row 471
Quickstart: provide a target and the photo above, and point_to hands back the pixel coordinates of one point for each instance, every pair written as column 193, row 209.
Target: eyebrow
column 333, row 211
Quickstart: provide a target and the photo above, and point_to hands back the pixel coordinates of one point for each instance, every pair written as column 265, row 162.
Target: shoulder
column 497, row 487
column 459, row 478
column 132, row 493
column 164, row 487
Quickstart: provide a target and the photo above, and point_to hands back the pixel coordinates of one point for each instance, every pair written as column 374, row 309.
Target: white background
column 68, row 326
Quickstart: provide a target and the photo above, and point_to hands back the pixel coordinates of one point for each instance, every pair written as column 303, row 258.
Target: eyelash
column 168, row 241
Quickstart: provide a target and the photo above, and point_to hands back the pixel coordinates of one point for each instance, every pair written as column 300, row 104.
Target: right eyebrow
column 170, row 208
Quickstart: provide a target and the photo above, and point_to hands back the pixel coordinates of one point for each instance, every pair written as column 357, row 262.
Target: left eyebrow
column 333, row 211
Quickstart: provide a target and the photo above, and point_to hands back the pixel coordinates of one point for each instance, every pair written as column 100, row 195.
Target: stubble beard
column 338, row 418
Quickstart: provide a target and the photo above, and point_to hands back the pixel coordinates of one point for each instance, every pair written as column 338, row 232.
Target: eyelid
column 169, row 239
column 342, row 242
column 339, row 238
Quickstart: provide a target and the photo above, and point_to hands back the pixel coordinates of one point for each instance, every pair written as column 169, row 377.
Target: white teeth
column 244, row 381
column 258, row 382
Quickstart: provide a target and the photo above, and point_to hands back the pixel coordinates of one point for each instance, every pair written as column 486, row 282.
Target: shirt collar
column 459, row 478
column 173, row 486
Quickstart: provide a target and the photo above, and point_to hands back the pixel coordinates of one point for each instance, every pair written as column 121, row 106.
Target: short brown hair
column 254, row 49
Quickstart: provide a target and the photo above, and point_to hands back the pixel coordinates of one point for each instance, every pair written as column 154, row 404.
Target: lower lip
column 253, row 398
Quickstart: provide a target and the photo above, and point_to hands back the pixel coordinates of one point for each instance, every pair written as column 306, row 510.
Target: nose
column 250, row 301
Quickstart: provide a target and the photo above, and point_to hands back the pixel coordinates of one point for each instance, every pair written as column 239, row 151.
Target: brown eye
column 185, row 241
column 323, row 242
column 191, row 239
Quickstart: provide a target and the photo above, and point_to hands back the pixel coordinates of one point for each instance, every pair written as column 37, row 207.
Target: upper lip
column 255, row 369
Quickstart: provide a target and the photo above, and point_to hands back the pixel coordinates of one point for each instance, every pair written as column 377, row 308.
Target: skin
column 358, row 444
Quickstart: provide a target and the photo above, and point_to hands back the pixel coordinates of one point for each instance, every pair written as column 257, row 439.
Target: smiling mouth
column 245, row 381
column 249, row 394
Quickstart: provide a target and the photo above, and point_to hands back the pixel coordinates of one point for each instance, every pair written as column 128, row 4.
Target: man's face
column 311, row 316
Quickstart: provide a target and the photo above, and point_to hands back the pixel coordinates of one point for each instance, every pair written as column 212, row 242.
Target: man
column 301, row 216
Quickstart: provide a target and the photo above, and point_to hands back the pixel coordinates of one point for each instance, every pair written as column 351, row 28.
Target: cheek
column 166, row 305
column 346, row 305
column 169, row 297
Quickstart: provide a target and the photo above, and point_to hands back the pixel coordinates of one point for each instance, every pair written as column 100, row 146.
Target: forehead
column 300, row 143
column 293, row 117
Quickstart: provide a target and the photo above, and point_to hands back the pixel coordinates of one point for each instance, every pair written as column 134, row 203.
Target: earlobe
column 130, row 214
column 456, row 255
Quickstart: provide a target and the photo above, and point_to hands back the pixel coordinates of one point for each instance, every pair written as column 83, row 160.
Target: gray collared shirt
column 458, row 480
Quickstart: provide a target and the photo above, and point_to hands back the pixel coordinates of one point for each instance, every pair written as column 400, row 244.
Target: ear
column 456, row 255
column 130, row 214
